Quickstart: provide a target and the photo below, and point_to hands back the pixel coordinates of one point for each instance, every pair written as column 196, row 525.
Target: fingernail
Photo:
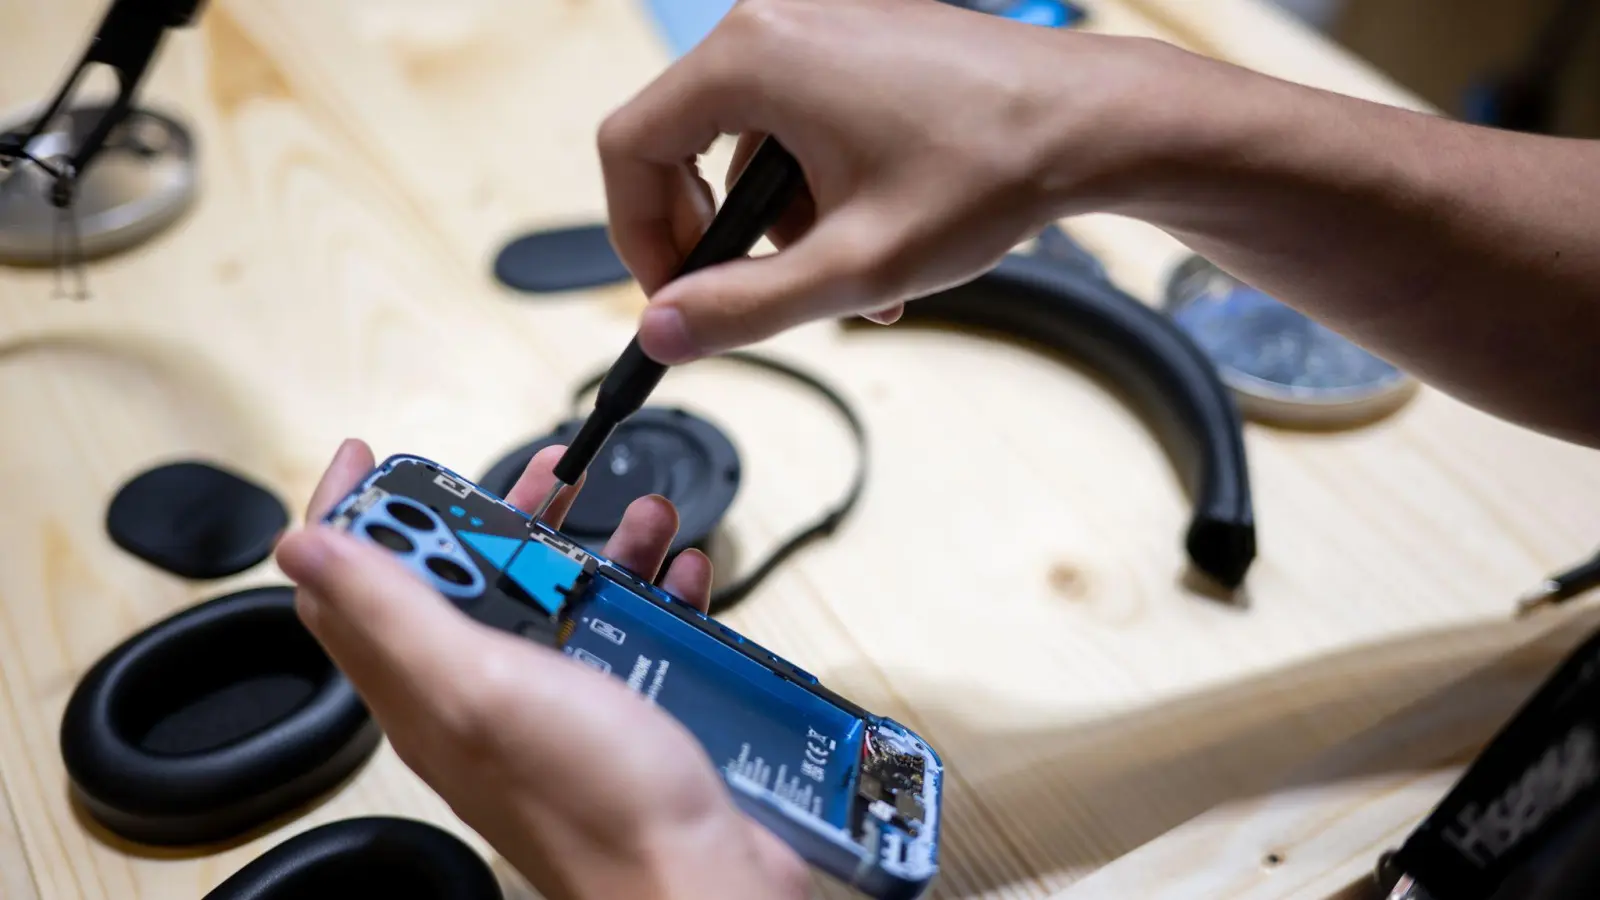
column 303, row 555
column 664, row 335
column 345, row 447
column 551, row 453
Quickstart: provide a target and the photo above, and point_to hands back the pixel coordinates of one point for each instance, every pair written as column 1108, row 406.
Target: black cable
column 823, row 526
column 23, row 154
column 1562, row 586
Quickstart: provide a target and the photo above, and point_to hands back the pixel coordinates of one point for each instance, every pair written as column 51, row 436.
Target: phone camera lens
column 449, row 571
column 390, row 538
column 410, row 516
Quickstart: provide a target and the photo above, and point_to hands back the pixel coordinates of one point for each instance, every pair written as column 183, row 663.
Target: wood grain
column 1320, row 832
column 362, row 163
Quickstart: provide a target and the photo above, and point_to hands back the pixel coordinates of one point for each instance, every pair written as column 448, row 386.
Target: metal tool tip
column 549, row 500
column 1408, row 889
column 1546, row 593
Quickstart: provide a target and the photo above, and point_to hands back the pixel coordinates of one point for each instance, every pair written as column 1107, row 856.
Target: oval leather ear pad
column 211, row 722
column 562, row 259
column 381, row 858
column 195, row 520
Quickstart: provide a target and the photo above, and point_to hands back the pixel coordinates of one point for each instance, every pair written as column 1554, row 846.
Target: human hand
column 933, row 140
column 583, row 787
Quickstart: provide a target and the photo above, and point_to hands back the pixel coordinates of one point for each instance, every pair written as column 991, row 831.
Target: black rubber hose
column 1167, row 379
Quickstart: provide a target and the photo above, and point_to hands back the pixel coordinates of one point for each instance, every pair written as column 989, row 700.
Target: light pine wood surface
column 361, row 163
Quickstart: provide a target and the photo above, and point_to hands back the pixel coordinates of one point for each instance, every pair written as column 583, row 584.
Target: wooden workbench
column 361, row 164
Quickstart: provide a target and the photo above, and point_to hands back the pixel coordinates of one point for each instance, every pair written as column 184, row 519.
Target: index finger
column 351, row 461
column 537, row 480
column 645, row 146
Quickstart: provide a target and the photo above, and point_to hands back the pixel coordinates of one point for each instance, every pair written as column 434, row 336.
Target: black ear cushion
column 211, row 722
column 562, row 259
column 195, row 520
column 379, row 857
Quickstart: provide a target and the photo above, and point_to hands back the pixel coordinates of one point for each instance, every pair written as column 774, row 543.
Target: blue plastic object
column 684, row 23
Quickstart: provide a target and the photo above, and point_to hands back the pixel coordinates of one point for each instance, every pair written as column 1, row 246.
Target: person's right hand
column 932, row 140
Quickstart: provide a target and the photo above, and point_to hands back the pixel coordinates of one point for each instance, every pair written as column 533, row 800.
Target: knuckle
column 755, row 18
column 764, row 27
column 614, row 138
column 724, row 70
column 734, row 63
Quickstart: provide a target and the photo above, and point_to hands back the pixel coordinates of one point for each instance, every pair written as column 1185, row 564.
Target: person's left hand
column 583, row 786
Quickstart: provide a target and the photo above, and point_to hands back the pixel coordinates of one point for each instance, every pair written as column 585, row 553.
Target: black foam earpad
column 655, row 451
column 211, row 722
column 562, row 259
column 196, row 520
column 378, row 857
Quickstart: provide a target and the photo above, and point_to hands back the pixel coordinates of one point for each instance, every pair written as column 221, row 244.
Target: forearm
column 1470, row 257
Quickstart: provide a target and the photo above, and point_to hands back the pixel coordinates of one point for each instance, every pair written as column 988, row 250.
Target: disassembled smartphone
column 855, row 794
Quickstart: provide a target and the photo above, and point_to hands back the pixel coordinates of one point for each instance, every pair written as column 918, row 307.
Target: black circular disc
column 195, row 520
column 380, row 857
column 656, row 451
column 562, row 259
column 211, row 722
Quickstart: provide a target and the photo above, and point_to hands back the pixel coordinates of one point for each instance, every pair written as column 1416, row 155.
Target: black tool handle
column 758, row 198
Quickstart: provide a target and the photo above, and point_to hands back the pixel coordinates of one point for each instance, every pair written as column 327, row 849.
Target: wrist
column 1210, row 150
column 715, row 857
column 1142, row 128
column 1116, row 122
column 722, row 856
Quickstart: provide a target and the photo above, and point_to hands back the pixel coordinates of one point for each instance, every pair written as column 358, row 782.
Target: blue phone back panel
column 773, row 731
column 854, row 793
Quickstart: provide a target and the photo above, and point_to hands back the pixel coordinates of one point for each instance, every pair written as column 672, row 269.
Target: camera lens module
column 388, row 537
column 449, row 571
column 411, row 516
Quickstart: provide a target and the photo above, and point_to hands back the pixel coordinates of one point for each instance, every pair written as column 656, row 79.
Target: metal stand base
column 143, row 182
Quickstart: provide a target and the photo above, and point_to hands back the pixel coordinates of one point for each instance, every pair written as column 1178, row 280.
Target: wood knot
column 1068, row 581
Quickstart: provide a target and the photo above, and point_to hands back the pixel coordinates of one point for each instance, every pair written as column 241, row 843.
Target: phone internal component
column 891, row 784
column 751, row 720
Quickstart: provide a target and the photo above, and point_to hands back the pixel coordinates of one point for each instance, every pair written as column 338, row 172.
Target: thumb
column 405, row 648
column 841, row 266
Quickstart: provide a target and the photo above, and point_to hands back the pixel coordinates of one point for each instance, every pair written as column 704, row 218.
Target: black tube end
column 1223, row 550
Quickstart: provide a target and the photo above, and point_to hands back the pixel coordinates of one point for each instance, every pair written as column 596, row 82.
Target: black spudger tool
column 762, row 193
